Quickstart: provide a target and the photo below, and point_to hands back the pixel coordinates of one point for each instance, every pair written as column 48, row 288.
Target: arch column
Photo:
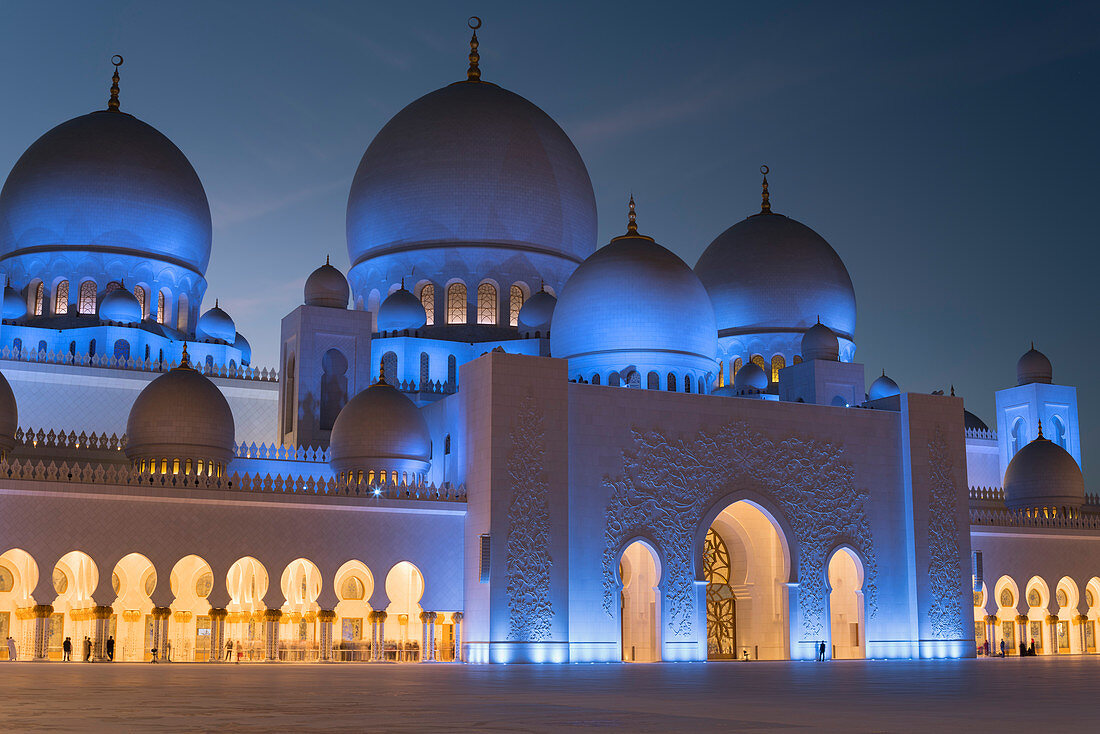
column 42, row 613
column 271, row 634
column 1081, row 620
column 325, row 618
column 991, row 633
column 217, row 632
column 160, row 629
column 457, row 618
column 102, row 616
column 427, row 645
column 377, row 635
column 1052, row 623
column 1021, row 632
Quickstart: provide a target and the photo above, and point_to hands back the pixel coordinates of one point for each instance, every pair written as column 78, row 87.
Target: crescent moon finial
column 112, row 103
column 765, row 203
column 473, row 74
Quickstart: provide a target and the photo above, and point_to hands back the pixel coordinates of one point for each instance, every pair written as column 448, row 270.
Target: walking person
column 167, row 651
column 66, row 650
column 229, row 650
column 111, row 648
column 1002, row 647
column 11, row 649
column 87, row 649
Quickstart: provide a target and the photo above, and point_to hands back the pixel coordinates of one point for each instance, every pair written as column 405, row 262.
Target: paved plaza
column 1033, row 694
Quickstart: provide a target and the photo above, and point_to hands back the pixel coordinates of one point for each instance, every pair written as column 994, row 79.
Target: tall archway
column 1066, row 597
column 18, row 577
column 1092, row 601
column 133, row 580
column 980, row 627
column 1038, row 601
column 75, row 577
column 301, row 585
column 846, row 609
column 1007, row 594
column 404, row 588
column 751, row 619
column 354, row 586
column 640, row 613
column 247, row 584
column 334, row 386
column 191, row 582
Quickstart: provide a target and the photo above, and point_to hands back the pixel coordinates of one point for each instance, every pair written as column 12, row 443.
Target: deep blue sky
column 947, row 152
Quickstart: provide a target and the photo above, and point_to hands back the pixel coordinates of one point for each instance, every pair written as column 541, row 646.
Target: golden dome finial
column 1040, row 429
column 382, row 372
column 326, row 260
column 632, row 217
column 112, row 103
column 765, row 204
column 185, row 361
column 473, row 74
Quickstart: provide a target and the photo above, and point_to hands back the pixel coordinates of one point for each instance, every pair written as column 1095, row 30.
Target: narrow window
column 61, row 298
column 452, row 371
column 737, row 365
column 389, row 368
column 778, row 363
column 143, row 300
column 425, row 374
column 86, row 304
column 289, row 397
column 687, row 383
column 653, row 381
column 671, row 382
column 39, row 297
column 160, row 308
column 515, row 303
column 486, row 303
column 456, row 303
column 334, row 386
column 427, row 299
column 122, row 349
column 595, row 378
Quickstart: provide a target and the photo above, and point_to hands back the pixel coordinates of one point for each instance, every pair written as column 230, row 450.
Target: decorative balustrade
column 140, row 365
column 282, row 453
column 1066, row 520
column 437, row 387
column 71, row 440
column 127, row 476
column 988, row 435
column 987, row 494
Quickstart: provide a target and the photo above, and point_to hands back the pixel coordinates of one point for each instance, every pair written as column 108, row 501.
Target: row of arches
column 1037, row 615
column 489, row 307
column 746, row 564
column 57, row 300
column 771, row 367
column 654, row 381
column 1054, row 430
column 190, row 614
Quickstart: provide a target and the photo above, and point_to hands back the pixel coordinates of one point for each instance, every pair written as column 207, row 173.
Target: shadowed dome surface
column 883, row 387
column 750, row 376
column 180, row 414
column 537, row 311
column 120, row 305
column 106, row 181
column 246, row 349
column 633, row 295
column 15, row 306
column 471, row 163
column 1034, row 366
column 380, row 429
column 771, row 273
column 401, row 310
column 1043, row 474
column 327, row 286
column 972, row 422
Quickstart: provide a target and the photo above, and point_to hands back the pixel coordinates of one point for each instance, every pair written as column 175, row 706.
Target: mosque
column 493, row 439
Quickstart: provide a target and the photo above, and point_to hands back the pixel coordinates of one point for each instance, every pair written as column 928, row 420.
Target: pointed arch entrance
column 844, row 577
column 640, row 613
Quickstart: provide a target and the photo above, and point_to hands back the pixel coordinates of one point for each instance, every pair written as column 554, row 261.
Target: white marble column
column 457, row 618
column 160, row 629
column 42, row 613
column 101, row 632
column 325, row 619
column 217, row 633
column 271, row 634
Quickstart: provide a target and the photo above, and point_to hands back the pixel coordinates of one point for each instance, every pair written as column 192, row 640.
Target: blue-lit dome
column 15, row 306
column 471, row 164
column 216, row 324
column 121, row 306
column 380, row 429
column 883, row 387
column 106, row 182
column 245, row 348
column 537, row 311
column 634, row 306
column 820, row 342
column 401, row 310
column 770, row 273
column 327, row 286
column 750, row 377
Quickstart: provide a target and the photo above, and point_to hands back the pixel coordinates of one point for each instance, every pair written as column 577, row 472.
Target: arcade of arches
column 1039, row 614
column 190, row 629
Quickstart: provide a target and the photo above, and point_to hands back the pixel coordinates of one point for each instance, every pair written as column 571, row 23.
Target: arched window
column 671, row 383
column 39, row 296
column 122, row 349
column 778, row 363
column 653, row 381
column 289, row 397
column 456, row 303
column 1019, row 435
column 687, row 383
column 632, row 379
column 209, row 362
column 721, row 373
column 160, row 308
column 486, row 303
column 595, row 378
column 447, row 444
column 427, row 299
column 452, row 371
column 334, row 386
column 91, row 348
column 1059, row 431
column 389, row 368
column 425, row 372
column 72, row 349
column 758, row 360
column 143, row 300
column 515, row 303
column 61, row 298
column 735, row 368
column 798, row 359
column 614, row 380
column 114, row 285
column 86, row 298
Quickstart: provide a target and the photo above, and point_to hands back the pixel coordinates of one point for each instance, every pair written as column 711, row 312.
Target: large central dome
column 108, row 182
column 474, row 164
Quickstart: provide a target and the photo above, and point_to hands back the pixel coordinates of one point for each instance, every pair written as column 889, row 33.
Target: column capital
column 427, row 616
column 42, row 611
column 182, row 617
column 991, row 618
column 219, row 613
column 272, row 615
column 457, row 617
column 102, row 612
column 326, row 615
column 1021, row 618
column 1080, row 618
column 1051, row 619
column 162, row 612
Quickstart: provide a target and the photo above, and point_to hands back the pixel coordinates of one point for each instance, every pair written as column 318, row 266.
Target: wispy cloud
column 227, row 212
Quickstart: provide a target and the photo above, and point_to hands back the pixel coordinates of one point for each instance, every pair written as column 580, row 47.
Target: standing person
column 11, row 649
column 1002, row 647
column 154, row 658
column 821, row 651
column 229, row 650
column 66, row 650
column 87, row 649
column 111, row 648
column 167, row 651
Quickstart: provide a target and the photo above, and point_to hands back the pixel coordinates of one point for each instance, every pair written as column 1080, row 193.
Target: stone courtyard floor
column 1032, row 694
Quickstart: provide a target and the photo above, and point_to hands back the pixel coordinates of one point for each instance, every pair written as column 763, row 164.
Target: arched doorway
column 401, row 630
column 133, row 580
column 846, row 620
column 191, row 582
column 351, row 638
column 18, row 577
column 1007, row 595
column 639, row 573
column 75, row 578
column 746, row 565
column 301, row 585
column 1038, row 601
column 247, row 584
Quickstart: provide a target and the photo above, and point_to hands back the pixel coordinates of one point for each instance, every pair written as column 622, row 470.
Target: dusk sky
column 948, row 153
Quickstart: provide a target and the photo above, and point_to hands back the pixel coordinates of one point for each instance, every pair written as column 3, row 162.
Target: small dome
column 883, row 387
column 401, row 310
column 1043, row 474
column 750, row 377
column 246, row 349
column 216, row 324
column 972, row 422
column 180, row 415
column 15, row 306
column 1034, row 367
column 9, row 415
column 537, row 311
column 819, row 342
column 380, row 429
column 326, row 286
column 121, row 306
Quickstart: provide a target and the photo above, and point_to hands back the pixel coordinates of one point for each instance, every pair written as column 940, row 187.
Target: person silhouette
column 66, row 650
column 821, row 651
column 111, row 647
column 11, row 650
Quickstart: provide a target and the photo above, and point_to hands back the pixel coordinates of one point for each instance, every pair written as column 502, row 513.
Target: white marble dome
column 537, row 311
column 326, row 286
column 1034, row 366
column 120, row 306
column 1043, row 475
column 883, row 387
column 771, row 273
column 750, row 377
column 380, row 429
column 820, row 342
column 401, row 310
column 217, row 324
